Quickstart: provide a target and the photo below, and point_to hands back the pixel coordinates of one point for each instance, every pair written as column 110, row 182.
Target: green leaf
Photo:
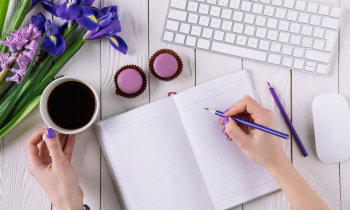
column 4, row 4
column 24, row 80
column 24, row 112
column 16, row 20
column 7, row 90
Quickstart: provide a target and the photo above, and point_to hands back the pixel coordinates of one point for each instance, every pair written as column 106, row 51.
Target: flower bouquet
column 27, row 54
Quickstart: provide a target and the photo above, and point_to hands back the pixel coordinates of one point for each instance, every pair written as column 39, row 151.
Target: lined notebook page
column 230, row 177
column 153, row 160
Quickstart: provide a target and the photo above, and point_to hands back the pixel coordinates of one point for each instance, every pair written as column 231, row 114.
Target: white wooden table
column 142, row 24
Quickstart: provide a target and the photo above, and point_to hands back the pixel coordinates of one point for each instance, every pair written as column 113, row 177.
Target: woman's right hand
column 261, row 147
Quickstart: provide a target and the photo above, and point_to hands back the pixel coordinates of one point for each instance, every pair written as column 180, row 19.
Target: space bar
column 238, row 51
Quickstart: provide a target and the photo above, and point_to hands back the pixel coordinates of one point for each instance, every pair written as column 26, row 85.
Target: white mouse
column 332, row 127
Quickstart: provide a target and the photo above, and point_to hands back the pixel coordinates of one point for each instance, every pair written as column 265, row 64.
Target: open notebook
column 171, row 154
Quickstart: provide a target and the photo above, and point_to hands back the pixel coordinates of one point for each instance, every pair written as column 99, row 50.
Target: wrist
column 278, row 165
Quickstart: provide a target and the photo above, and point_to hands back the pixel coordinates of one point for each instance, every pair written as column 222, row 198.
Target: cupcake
column 165, row 65
column 130, row 81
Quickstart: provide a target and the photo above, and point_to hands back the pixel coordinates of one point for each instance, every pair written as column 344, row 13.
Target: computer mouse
column 332, row 125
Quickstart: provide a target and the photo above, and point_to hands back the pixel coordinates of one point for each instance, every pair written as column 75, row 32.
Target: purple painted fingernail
column 50, row 133
column 226, row 120
column 220, row 119
column 223, row 130
column 226, row 110
column 227, row 137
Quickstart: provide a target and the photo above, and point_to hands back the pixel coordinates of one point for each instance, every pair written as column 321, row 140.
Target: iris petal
column 119, row 44
column 54, row 45
column 87, row 19
column 34, row 3
column 38, row 21
column 106, row 21
column 54, row 29
column 97, row 12
column 108, row 30
column 87, row 3
column 51, row 7
column 68, row 11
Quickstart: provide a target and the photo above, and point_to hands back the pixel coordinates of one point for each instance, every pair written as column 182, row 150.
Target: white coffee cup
column 45, row 97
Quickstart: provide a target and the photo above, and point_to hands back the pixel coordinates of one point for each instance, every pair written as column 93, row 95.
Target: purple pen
column 250, row 124
column 286, row 118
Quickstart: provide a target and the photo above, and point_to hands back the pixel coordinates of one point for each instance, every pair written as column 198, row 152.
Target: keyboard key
column 283, row 25
column 249, row 30
column 230, row 38
column 295, row 28
column 191, row 41
column 311, row 69
column 287, row 61
column 280, row 13
column 215, row 23
column 303, row 18
column 203, row 9
column 269, row 11
column 204, row 20
column 306, row 30
column 271, row 23
column 219, row 35
column 238, row 28
column 177, row 15
column 223, row 3
column 322, row 69
column 323, row 10
column 300, row 5
column 315, row 20
column 295, row 40
column 264, row 45
column 265, row 1
column 226, row 14
column 257, row 8
column 330, row 35
column 249, row 18
column 318, row 33
column 234, row 4
column 298, row 64
column 237, row 16
column 204, row 44
column 168, row 36
column 185, row 28
column 226, row 25
column 335, row 12
column 172, row 25
column 207, row 33
column 307, row 42
column 298, row 52
column 180, row 4
column 318, row 44
column 211, row 1
column 277, row 2
column 260, row 21
column 272, row 35
column 330, row 23
column 192, row 6
column 246, row 6
column 287, row 50
column 312, row 64
column 289, row 4
column 196, row 30
column 179, row 38
column 292, row 15
column 192, row 18
column 253, row 43
column 274, row 59
column 317, row 56
column 215, row 11
column 275, row 47
column 239, row 51
column 261, row 33
column 241, row 40
column 312, row 7
column 283, row 38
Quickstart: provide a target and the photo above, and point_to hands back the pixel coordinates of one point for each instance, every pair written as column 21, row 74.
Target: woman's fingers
column 33, row 152
column 54, row 145
column 63, row 140
column 43, row 150
column 247, row 104
column 69, row 147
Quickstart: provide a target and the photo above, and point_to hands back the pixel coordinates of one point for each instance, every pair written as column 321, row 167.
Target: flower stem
column 4, row 72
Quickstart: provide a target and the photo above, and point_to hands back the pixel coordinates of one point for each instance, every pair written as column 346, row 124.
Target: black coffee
column 71, row 105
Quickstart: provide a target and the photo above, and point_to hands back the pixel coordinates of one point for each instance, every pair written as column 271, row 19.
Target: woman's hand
column 49, row 163
column 262, row 148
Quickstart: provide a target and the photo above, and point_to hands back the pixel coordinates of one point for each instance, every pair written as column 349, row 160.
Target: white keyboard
column 293, row 34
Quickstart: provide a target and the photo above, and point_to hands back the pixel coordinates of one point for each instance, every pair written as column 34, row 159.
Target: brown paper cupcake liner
column 134, row 95
column 171, row 52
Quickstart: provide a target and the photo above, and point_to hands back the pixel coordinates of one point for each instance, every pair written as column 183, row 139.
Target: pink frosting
column 165, row 65
column 129, row 81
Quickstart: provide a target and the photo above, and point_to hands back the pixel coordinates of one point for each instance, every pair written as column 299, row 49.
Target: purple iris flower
column 102, row 24
column 39, row 22
column 53, row 42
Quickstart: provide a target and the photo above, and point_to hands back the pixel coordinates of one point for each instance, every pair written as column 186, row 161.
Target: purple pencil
column 286, row 118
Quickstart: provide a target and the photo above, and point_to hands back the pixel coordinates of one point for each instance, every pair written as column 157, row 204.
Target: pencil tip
column 268, row 83
column 206, row 108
